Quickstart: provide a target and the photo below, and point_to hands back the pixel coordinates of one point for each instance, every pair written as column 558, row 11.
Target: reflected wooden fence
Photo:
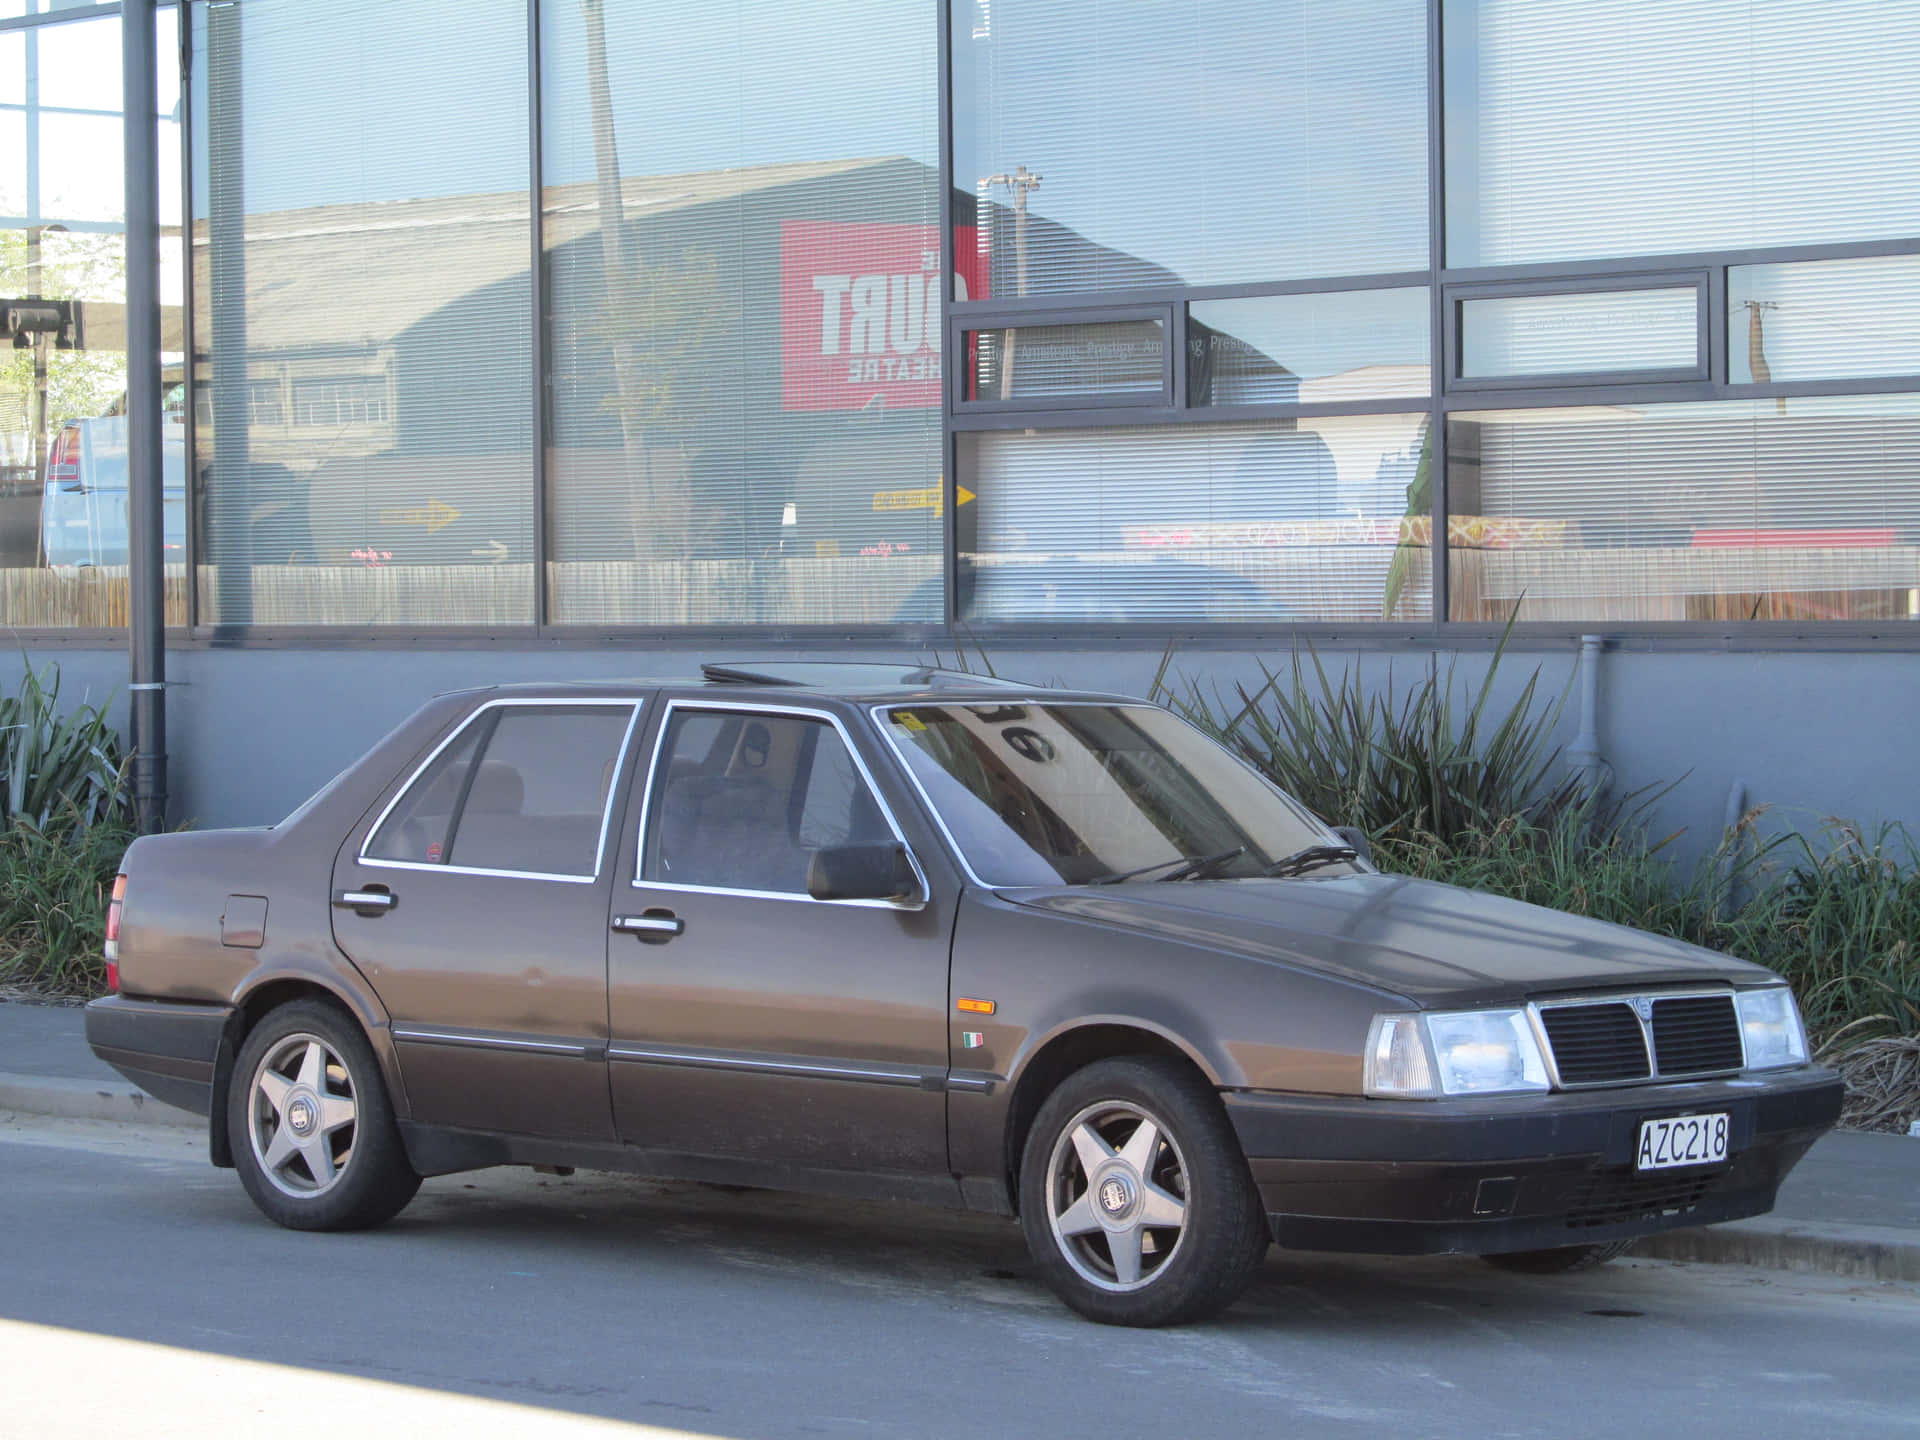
column 773, row 591
column 1325, row 584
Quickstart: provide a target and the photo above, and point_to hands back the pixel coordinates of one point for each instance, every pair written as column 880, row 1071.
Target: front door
column 749, row 1020
column 476, row 905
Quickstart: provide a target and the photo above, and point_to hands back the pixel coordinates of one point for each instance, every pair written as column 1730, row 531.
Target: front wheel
column 1136, row 1201
column 311, row 1127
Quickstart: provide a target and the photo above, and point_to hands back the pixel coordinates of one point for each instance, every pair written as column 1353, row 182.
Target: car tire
column 1561, row 1260
column 311, row 1125
column 1094, row 1179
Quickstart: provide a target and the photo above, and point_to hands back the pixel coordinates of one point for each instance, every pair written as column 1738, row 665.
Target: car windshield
column 1039, row 794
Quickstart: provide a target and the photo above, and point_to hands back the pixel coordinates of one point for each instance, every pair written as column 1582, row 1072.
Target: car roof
column 787, row 680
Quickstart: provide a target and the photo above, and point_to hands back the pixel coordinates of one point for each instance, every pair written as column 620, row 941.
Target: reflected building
column 590, row 323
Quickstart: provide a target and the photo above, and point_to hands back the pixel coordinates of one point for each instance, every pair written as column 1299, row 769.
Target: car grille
column 1593, row 1044
column 1612, row 1198
column 1603, row 1042
column 1696, row 1034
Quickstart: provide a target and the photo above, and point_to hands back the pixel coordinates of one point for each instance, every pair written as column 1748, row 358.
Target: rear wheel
column 1135, row 1198
column 1561, row 1260
column 311, row 1126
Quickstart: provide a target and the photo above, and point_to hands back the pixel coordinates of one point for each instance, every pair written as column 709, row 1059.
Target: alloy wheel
column 1117, row 1195
column 302, row 1116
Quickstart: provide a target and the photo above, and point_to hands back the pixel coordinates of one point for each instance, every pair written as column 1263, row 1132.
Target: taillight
column 112, row 947
column 63, row 461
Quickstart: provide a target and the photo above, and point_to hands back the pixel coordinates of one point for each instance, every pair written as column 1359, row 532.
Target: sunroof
column 842, row 673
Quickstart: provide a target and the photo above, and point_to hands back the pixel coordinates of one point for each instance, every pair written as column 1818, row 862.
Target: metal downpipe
column 146, row 575
column 1596, row 775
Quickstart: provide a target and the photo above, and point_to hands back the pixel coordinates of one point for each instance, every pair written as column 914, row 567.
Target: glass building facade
column 561, row 320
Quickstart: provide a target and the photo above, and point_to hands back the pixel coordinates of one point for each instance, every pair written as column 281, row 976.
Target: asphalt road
column 514, row 1304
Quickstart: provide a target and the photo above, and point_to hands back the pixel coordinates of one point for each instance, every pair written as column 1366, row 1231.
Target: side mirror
column 863, row 872
column 1357, row 839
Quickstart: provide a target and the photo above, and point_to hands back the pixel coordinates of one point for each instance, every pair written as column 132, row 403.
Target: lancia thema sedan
column 898, row 932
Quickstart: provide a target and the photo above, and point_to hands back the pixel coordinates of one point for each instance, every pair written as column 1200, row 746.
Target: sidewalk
column 1851, row 1208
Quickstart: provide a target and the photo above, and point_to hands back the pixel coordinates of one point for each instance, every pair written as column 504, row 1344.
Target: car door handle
column 655, row 925
column 365, row 900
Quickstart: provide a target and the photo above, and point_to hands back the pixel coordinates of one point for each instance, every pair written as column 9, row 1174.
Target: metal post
column 146, row 579
column 226, row 539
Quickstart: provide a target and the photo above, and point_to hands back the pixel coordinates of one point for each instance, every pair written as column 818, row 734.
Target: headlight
column 1463, row 1052
column 1770, row 1025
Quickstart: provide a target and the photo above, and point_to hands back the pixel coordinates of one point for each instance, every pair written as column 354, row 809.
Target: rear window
column 523, row 789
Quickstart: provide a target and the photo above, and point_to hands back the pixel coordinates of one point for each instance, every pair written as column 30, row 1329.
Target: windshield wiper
column 1187, row 867
column 1311, row 858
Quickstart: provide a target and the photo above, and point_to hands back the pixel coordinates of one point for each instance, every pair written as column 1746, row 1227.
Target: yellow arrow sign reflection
column 436, row 515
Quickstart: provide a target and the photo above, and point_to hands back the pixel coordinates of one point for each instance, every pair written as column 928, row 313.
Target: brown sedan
column 907, row 933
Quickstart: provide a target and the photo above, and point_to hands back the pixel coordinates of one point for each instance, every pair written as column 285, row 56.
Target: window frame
column 997, row 317
column 487, row 714
column 1458, row 296
column 654, row 775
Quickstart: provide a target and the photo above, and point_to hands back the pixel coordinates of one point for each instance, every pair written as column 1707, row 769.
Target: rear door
column 475, row 902
column 749, row 1020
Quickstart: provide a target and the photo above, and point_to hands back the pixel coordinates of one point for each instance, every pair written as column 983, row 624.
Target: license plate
column 1681, row 1140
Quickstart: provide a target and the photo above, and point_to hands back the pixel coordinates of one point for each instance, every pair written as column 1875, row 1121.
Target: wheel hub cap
column 302, row 1115
column 1117, row 1195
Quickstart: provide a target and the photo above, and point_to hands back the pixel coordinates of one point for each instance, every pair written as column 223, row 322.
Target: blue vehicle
column 83, row 506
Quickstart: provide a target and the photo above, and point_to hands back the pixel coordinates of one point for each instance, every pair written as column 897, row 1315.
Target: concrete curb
column 89, row 1100
column 1866, row 1252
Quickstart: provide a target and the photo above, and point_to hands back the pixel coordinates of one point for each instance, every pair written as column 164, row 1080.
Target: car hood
column 1434, row 944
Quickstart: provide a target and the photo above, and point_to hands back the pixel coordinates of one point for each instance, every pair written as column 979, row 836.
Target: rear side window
column 524, row 789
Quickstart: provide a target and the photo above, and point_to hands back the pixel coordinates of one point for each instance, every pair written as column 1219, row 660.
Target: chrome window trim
column 878, row 715
column 1536, row 1017
column 752, row 708
column 636, row 706
column 800, row 1069
column 477, row 1041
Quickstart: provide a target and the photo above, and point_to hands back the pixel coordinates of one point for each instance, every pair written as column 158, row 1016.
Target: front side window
column 524, row 790
column 1041, row 794
column 741, row 801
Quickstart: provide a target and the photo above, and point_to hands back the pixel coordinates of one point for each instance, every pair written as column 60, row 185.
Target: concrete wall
column 252, row 733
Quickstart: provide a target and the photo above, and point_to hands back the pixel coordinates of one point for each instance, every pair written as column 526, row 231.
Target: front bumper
column 166, row 1048
column 1408, row 1177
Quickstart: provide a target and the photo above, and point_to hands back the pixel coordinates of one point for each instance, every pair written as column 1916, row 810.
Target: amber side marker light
column 112, row 947
column 974, row 1007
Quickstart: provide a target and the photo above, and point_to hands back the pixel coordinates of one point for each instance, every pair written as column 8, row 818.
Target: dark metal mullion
column 1147, row 296
column 1042, row 416
column 1439, row 330
column 1714, row 324
column 1608, row 266
column 1177, row 356
column 1608, row 393
column 953, row 353
column 539, row 304
column 1671, row 278
column 886, row 640
column 190, row 444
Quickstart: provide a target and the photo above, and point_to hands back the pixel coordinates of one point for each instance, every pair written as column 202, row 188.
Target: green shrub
column 1838, row 914
column 1417, row 765
column 65, row 820
column 55, row 881
column 1472, row 795
column 57, row 768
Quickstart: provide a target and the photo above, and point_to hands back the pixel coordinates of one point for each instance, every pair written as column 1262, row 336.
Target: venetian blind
column 1789, row 508
column 1280, row 521
column 1641, row 127
column 361, row 277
